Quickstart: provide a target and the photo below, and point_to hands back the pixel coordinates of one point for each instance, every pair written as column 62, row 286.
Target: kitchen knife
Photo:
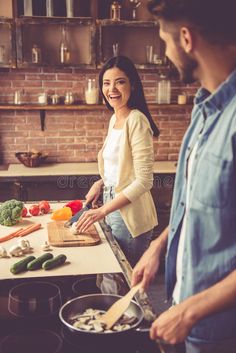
column 76, row 217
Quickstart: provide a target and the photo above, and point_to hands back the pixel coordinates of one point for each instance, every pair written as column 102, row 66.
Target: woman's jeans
column 133, row 248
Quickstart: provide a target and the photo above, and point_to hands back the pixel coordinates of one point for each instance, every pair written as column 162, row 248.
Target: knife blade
column 76, row 217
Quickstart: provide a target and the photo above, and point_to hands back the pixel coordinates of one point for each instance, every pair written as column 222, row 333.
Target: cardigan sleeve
column 141, row 144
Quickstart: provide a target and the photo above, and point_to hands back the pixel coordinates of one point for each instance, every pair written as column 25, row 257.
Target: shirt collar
column 217, row 100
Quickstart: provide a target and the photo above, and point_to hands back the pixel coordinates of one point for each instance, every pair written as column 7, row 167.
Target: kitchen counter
column 57, row 169
column 80, row 260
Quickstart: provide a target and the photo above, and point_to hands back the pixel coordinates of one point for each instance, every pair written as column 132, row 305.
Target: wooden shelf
column 43, row 108
column 80, row 107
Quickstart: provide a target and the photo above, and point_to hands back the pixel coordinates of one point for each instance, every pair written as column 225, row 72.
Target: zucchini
column 37, row 263
column 21, row 265
column 55, row 262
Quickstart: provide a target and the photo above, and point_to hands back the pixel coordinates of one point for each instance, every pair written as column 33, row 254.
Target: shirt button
column 182, row 203
column 173, row 229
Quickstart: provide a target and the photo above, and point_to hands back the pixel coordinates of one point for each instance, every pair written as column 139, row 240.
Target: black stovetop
column 46, row 334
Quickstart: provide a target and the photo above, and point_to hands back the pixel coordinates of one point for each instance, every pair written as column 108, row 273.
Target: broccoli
column 10, row 212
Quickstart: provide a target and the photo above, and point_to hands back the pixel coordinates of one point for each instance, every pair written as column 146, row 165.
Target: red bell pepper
column 75, row 206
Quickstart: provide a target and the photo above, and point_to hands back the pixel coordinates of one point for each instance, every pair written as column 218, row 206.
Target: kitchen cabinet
column 49, row 36
column 130, row 38
column 7, row 44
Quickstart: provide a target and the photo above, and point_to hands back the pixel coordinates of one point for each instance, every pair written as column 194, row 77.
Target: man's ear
column 186, row 39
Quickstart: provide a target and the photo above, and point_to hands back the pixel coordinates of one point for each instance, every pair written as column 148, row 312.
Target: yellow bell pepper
column 63, row 214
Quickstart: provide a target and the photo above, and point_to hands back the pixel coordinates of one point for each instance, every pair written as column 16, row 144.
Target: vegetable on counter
column 55, row 262
column 44, row 207
column 24, row 212
column 21, row 232
column 21, row 265
column 75, row 206
column 29, row 229
column 10, row 235
column 38, row 262
column 34, row 210
column 63, row 214
column 10, row 212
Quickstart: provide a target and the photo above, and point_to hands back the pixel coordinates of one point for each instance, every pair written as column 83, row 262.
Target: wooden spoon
column 119, row 307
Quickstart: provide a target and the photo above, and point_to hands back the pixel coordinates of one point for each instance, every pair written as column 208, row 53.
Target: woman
column 125, row 162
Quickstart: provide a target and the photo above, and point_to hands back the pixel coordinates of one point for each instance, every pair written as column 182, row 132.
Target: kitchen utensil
column 34, row 299
column 60, row 236
column 76, row 217
column 119, row 307
column 103, row 302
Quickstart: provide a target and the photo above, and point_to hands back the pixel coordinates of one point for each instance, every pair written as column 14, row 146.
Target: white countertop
column 80, row 260
column 19, row 170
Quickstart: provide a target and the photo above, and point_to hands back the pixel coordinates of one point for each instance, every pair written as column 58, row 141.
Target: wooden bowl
column 31, row 159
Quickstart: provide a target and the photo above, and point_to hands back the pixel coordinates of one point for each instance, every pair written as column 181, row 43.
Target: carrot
column 10, row 235
column 29, row 230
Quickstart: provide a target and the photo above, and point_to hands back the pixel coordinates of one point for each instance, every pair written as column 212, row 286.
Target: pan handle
column 162, row 345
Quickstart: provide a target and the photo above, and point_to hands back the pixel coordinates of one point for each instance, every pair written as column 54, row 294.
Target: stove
column 24, row 331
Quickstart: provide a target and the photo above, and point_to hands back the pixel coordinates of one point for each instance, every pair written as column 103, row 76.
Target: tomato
column 44, row 206
column 34, row 210
column 24, row 212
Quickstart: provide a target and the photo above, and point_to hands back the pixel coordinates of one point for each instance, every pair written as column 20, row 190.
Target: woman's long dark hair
column 137, row 99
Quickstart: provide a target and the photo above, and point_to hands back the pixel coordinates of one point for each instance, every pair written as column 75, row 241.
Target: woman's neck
column 122, row 113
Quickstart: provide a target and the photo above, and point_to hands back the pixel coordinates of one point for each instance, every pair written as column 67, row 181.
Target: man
column 200, row 37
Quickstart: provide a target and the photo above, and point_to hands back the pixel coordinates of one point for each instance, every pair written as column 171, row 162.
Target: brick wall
column 76, row 136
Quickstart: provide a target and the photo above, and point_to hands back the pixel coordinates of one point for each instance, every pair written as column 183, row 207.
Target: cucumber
column 37, row 263
column 55, row 262
column 21, row 265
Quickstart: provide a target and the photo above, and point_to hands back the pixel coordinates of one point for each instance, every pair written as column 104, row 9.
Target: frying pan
column 115, row 341
column 102, row 302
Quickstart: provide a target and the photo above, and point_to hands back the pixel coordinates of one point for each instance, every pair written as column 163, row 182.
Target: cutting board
column 58, row 235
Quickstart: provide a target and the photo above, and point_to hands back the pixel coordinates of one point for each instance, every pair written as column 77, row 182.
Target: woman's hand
column 90, row 217
column 94, row 193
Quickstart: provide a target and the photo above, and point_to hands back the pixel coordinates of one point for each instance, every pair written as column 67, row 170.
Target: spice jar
column 115, row 11
column 69, row 98
column 55, row 99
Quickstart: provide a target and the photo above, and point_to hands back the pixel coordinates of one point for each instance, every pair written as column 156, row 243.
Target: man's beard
column 188, row 67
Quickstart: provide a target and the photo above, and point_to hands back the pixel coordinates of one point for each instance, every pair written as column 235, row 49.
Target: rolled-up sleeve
column 141, row 143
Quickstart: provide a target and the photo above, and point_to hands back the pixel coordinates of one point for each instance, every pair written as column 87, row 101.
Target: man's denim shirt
column 210, row 245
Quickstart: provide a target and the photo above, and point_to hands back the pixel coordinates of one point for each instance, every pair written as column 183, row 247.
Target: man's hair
column 213, row 19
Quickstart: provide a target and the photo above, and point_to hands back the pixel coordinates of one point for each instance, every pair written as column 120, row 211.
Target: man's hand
column 148, row 265
column 173, row 325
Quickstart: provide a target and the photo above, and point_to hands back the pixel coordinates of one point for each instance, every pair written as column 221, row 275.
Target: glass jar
column 115, row 11
column 91, row 91
column 43, row 98
column 18, row 97
column 36, row 54
column 28, row 8
column 163, row 90
column 2, row 53
column 49, row 8
column 69, row 98
column 70, row 8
